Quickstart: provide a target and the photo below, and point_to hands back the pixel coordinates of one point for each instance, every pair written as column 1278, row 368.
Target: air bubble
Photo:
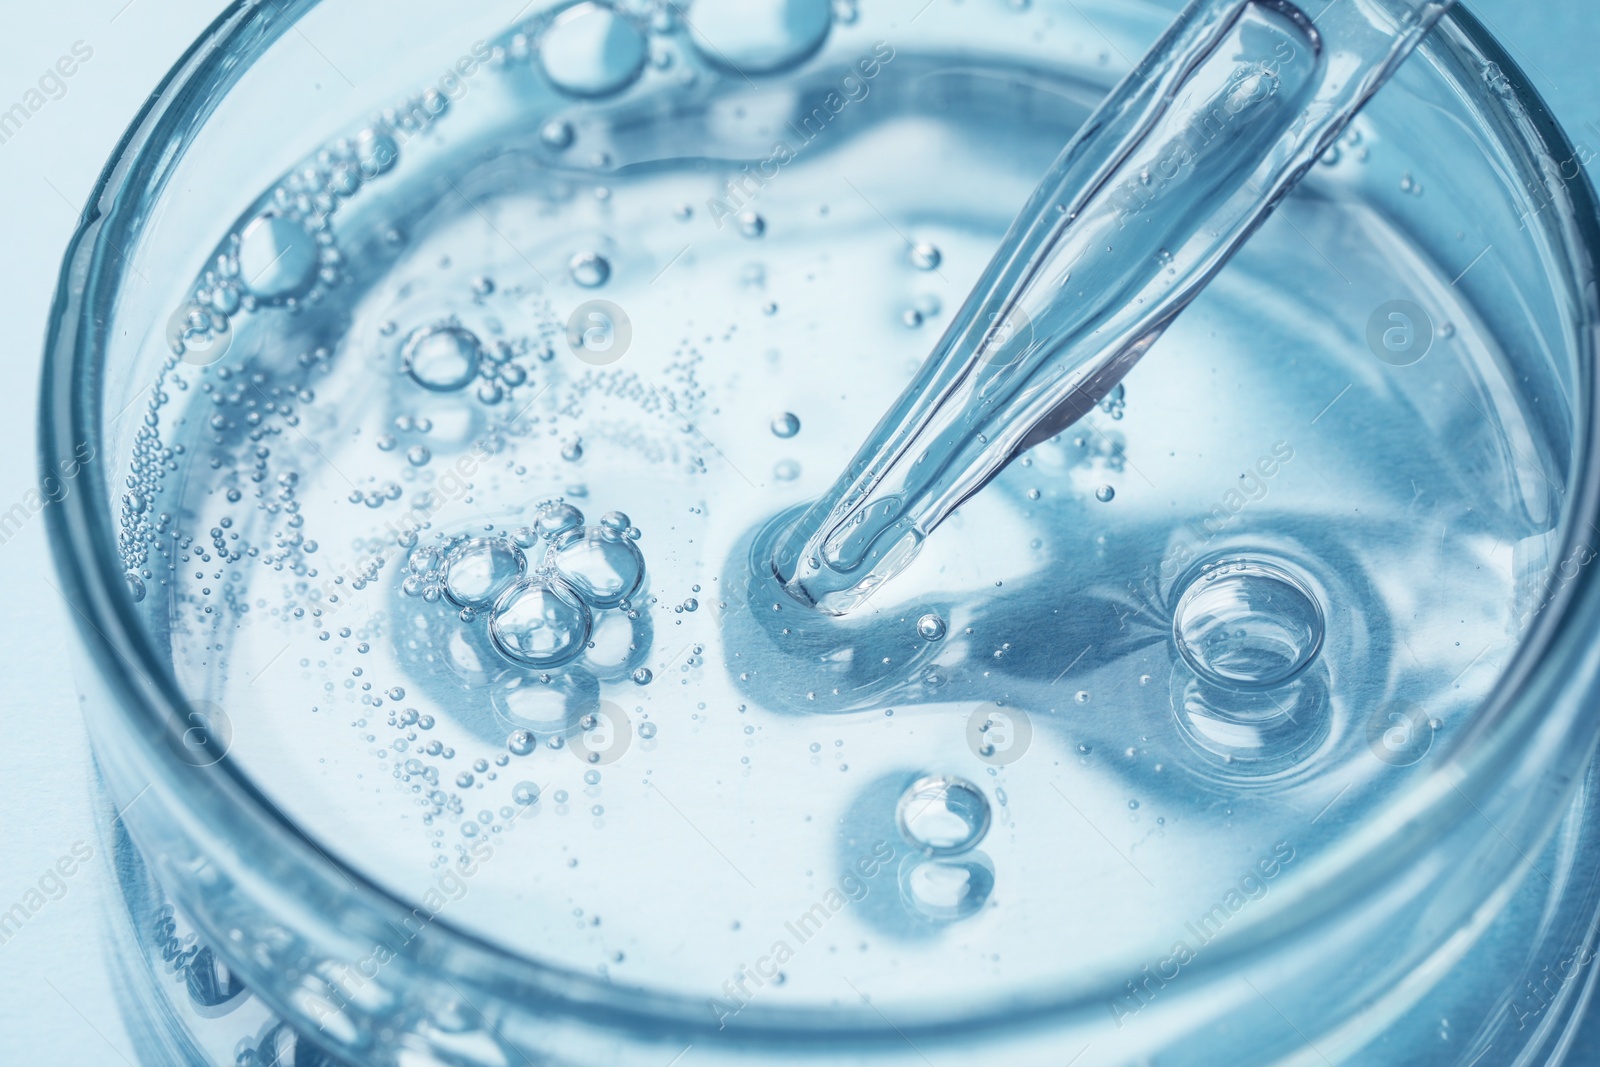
column 376, row 152
column 943, row 815
column 924, row 256
column 602, row 567
column 785, row 425
column 589, row 269
column 931, row 627
column 759, row 38
column 1105, row 494
column 557, row 134
column 752, row 225
column 1248, row 623
column 540, row 623
column 442, row 359
column 590, row 50
column 478, row 570
column 277, row 258
column 525, row 793
column 555, row 520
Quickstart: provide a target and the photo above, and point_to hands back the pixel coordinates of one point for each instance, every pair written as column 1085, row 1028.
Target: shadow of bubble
column 867, row 823
column 937, row 891
column 619, row 645
column 547, row 705
column 1246, row 738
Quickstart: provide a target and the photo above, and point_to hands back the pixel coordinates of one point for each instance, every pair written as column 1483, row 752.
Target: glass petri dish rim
column 1510, row 732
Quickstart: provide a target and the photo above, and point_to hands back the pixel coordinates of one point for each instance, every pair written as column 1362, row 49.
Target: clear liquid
column 1169, row 177
column 724, row 771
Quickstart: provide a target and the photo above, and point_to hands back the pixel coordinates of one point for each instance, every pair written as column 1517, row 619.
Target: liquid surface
column 1165, row 182
column 465, row 530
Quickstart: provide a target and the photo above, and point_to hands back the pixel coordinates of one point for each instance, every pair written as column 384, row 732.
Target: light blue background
column 57, row 1005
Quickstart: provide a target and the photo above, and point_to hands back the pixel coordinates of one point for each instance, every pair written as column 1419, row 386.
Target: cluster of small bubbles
column 284, row 253
column 545, row 618
column 925, row 256
column 1115, row 402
